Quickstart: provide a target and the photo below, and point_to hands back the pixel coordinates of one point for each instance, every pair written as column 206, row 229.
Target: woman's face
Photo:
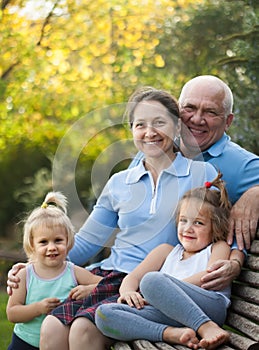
column 153, row 129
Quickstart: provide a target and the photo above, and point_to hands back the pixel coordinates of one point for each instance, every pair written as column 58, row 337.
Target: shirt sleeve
column 96, row 230
column 251, row 176
column 82, row 251
column 235, row 247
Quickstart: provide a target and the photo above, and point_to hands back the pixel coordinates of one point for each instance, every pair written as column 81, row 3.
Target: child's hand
column 48, row 304
column 133, row 299
column 81, row 291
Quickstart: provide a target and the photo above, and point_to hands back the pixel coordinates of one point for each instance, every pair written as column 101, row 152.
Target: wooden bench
column 243, row 316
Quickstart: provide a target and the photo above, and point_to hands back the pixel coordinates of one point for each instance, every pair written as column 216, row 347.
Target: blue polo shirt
column 239, row 167
column 143, row 214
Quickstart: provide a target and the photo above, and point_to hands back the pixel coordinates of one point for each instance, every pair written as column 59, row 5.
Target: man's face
column 203, row 115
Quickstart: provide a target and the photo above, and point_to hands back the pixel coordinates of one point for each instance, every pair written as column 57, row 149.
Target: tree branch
column 46, row 21
column 4, row 3
column 8, row 71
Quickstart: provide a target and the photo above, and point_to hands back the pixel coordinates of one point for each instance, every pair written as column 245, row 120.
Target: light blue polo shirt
column 142, row 213
column 239, row 167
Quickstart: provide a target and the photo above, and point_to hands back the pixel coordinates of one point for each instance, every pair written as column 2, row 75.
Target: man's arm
column 244, row 218
column 223, row 272
column 220, row 252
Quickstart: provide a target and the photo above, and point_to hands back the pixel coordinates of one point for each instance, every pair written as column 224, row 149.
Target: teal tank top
column 38, row 289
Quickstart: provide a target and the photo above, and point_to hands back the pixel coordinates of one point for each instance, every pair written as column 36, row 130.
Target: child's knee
column 52, row 333
column 103, row 311
column 102, row 316
column 150, row 281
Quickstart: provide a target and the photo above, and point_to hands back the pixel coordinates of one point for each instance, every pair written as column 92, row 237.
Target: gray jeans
column 172, row 303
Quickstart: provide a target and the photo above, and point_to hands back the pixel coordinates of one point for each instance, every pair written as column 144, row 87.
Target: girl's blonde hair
column 218, row 205
column 52, row 213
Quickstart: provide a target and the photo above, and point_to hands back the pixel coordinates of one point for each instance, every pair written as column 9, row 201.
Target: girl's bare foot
column 212, row 335
column 182, row 335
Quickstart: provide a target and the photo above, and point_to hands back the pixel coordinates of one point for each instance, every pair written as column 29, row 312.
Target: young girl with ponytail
column 48, row 278
column 161, row 299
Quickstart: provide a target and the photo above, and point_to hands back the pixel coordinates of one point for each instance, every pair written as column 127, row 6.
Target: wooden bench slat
column 13, row 256
column 245, row 292
column 181, row 347
column 224, row 347
column 239, row 342
column 164, row 346
column 254, row 247
column 121, row 346
column 243, row 325
column 248, row 310
column 249, row 277
column 143, row 345
column 252, row 262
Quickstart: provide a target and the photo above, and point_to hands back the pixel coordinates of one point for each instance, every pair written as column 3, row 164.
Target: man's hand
column 220, row 274
column 13, row 280
column 244, row 218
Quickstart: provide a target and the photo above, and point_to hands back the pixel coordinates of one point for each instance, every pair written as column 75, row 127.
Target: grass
column 6, row 327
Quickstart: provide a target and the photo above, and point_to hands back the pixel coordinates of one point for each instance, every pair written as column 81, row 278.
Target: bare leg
column 212, row 335
column 183, row 335
column 54, row 335
column 85, row 335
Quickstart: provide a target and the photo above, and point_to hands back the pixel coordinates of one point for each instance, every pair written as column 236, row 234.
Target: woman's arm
column 97, row 229
column 220, row 250
column 130, row 284
column 83, row 276
column 87, row 281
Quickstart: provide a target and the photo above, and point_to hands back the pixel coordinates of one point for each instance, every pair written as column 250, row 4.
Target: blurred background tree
column 61, row 60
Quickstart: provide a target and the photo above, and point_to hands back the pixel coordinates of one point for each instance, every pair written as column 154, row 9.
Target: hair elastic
column 208, row 184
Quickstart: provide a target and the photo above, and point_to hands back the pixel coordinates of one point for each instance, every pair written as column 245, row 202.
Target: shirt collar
column 218, row 147
column 180, row 167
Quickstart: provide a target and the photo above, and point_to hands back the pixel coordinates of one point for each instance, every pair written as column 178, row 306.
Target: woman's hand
column 13, row 280
column 81, row 291
column 133, row 299
column 46, row 305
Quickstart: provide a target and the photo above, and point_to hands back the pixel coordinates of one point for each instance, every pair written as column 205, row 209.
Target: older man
column 206, row 104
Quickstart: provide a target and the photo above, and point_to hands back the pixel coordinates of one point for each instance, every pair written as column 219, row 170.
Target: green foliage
column 17, row 164
column 34, row 189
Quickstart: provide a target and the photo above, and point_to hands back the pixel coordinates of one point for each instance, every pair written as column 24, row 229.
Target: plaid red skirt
column 107, row 291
